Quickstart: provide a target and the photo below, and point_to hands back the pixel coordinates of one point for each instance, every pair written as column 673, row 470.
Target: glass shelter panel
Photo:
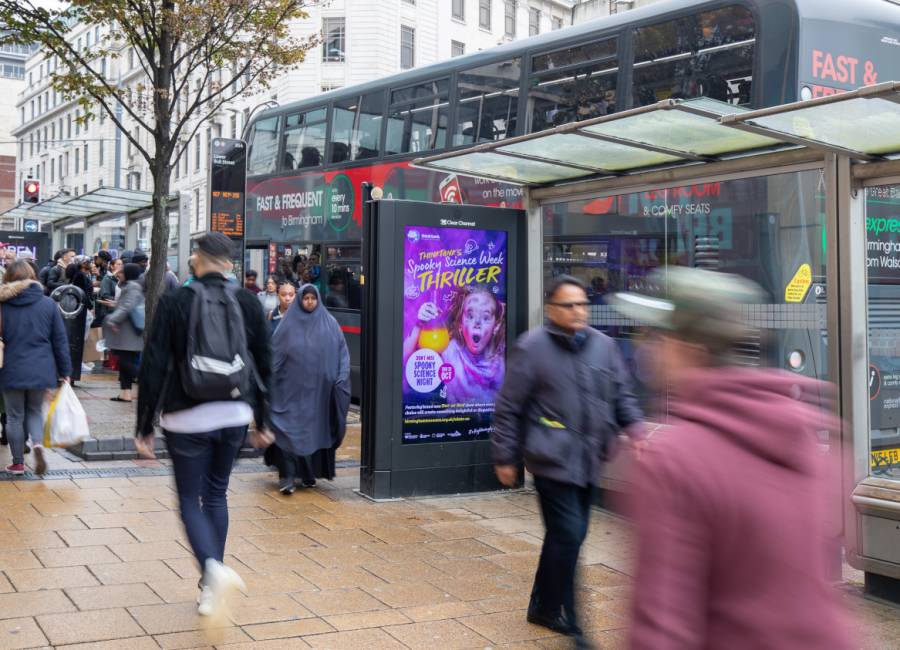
column 883, row 263
column 769, row 229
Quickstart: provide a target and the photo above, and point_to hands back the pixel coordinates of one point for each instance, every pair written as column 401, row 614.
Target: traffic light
column 31, row 191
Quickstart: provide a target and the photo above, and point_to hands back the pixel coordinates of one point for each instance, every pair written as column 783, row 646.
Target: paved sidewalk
column 102, row 564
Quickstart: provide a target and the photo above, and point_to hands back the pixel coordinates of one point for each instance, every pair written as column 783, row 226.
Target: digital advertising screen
column 454, row 331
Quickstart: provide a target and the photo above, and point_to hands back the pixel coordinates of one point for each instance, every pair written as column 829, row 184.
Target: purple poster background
column 454, row 331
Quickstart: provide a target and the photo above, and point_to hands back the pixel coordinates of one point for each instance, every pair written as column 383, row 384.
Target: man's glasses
column 571, row 305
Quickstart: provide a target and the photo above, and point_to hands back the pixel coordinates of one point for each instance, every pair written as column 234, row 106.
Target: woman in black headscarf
column 310, row 392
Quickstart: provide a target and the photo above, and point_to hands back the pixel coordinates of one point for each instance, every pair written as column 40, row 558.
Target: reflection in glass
column 766, row 229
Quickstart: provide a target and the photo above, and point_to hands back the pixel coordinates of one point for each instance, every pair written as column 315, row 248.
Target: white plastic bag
column 65, row 422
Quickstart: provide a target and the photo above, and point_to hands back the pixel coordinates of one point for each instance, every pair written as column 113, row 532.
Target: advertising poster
column 454, row 331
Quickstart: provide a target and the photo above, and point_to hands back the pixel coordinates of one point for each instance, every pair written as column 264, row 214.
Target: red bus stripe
column 351, row 329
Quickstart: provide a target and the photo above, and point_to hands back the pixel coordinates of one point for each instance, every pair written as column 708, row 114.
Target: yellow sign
column 885, row 458
column 796, row 289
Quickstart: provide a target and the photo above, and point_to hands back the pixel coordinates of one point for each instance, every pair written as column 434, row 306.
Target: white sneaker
column 206, row 602
column 222, row 582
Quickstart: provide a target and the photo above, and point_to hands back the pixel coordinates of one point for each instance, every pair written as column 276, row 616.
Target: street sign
column 30, row 225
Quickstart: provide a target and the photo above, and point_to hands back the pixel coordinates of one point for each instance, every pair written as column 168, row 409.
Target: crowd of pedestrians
column 735, row 467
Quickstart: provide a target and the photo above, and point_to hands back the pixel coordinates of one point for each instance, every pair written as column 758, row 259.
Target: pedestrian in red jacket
column 728, row 504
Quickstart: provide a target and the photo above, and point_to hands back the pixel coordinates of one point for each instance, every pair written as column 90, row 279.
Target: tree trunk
column 159, row 243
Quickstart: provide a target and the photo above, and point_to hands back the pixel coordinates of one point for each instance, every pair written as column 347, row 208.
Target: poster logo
column 450, row 190
column 413, row 236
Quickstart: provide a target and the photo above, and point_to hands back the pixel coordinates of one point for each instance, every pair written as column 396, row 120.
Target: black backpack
column 218, row 365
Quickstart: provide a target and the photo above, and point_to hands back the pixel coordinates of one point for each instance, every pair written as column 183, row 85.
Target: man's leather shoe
column 560, row 624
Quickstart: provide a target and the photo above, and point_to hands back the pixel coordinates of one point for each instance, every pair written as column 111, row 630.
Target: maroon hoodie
column 729, row 519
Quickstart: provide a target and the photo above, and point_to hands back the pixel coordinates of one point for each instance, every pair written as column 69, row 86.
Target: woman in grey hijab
column 310, row 392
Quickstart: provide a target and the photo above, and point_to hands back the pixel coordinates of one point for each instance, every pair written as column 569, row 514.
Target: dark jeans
column 25, row 420
column 128, row 367
column 202, row 463
column 566, row 510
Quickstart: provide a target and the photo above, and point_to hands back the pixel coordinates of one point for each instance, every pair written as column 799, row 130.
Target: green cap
column 696, row 305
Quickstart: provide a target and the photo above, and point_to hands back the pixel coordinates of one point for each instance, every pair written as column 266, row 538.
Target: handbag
column 138, row 316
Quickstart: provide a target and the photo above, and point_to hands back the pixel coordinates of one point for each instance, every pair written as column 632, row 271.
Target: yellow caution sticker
column 797, row 288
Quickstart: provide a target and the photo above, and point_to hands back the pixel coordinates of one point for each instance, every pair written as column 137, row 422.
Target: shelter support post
column 535, row 271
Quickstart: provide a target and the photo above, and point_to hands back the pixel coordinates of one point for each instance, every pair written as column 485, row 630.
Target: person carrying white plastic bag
column 65, row 422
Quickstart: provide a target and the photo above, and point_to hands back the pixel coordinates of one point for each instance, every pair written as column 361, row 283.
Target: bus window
column 704, row 55
column 304, row 139
column 573, row 84
column 356, row 128
column 343, row 270
column 263, row 147
column 488, row 102
column 418, row 121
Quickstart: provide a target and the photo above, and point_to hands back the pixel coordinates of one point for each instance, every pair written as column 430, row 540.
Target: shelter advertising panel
column 454, row 331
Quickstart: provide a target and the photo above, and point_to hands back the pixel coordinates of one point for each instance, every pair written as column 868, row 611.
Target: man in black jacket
column 566, row 397
column 57, row 275
column 203, row 438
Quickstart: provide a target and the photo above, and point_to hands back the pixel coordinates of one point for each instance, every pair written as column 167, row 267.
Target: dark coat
column 37, row 351
column 166, row 349
column 562, row 404
column 56, row 278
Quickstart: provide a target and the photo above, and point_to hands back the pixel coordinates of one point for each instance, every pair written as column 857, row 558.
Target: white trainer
column 222, row 582
column 206, row 602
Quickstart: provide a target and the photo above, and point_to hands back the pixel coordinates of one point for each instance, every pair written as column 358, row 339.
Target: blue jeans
column 202, row 463
column 24, row 416
column 566, row 510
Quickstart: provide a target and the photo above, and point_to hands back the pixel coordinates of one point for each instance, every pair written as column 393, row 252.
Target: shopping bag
column 65, row 422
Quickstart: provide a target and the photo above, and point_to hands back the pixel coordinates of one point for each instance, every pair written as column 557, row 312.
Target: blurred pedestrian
column 44, row 273
column 728, row 497
column 35, row 359
column 109, row 290
column 269, row 297
column 310, row 393
column 566, row 397
column 250, row 285
column 102, row 259
column 286, row 295
column 206, row 367
column 122, row 337
column 56, row 277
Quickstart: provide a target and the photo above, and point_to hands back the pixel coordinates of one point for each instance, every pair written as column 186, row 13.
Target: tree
column 196, row 55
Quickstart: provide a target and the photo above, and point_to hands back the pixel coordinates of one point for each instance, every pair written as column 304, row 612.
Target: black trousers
column 128, row 367
column 566, row 510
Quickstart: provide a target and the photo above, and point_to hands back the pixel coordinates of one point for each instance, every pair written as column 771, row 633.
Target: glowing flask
column 437, row 339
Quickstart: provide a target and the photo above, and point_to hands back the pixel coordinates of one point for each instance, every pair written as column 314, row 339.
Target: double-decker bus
column 308, row 160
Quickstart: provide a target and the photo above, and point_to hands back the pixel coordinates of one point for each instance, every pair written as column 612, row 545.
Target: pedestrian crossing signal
column 31, row 192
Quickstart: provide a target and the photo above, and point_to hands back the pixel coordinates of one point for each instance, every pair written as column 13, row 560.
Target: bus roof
column 862, row 12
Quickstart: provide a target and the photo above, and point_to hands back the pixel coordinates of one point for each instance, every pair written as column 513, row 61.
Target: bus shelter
column 804, row 198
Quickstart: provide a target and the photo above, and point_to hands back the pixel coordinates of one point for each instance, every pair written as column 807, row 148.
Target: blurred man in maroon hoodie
column 727, row 504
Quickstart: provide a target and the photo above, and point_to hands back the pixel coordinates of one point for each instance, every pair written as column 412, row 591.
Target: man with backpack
column 205, row 369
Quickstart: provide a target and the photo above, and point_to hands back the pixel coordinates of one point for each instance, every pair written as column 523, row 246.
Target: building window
column 459, row 9
column 484, row 14
column 234, row 125
column 534, row 21
column 85, row 156
column 100, row 152
column 556, row 23
column 457, row 48
column 509, row 18
column 69, row 127
column 52, row 170
column 67, row 164
column 78, row 161
column 197, row 153
column 407, row 47
column 196, row 210
column 334, row 46
column 410, row 2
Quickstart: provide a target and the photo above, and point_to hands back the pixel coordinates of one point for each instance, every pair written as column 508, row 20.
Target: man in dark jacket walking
column 203, row 436
column 56, row 277
column 566, row 397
